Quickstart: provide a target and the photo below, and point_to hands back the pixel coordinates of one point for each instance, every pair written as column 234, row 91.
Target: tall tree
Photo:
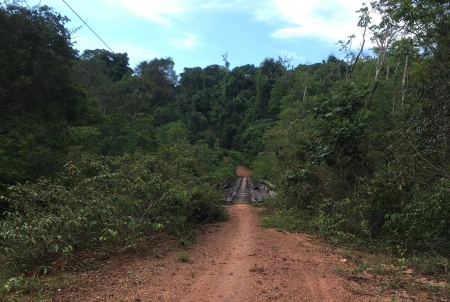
column 116, row 64
column 268, row 73
column 162, row 72
column 36, row 61
column 38, row 96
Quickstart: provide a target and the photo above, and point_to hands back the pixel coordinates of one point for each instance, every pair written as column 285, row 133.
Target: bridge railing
column 224, row 183
column 232, row 192
column 254, row 194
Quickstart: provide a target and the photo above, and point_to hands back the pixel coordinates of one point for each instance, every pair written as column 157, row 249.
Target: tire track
column 232, row 281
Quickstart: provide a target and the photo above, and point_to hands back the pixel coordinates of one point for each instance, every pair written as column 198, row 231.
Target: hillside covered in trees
column 93, row 152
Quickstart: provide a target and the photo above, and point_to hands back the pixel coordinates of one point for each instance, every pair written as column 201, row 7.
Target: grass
column 134, row 278
column 183, row 257
column 21, row 288
column 258, row 204
column 41, row 283
column 411, row 273
column 285, row 221
column 265, row 212
column 156, row 253
column 397, row 270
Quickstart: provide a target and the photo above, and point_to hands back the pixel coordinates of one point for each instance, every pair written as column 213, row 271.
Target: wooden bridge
column 243, row 190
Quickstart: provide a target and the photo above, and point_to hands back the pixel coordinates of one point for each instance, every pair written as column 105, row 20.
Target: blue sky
column 198, row 32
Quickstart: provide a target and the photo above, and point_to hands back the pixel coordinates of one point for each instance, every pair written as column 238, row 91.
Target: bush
column 424, row 222
column 102, row 201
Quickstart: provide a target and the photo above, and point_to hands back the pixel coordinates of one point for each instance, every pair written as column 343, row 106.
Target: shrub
column 102, row 201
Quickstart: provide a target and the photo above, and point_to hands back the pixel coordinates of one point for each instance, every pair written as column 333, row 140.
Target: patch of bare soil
column 230, row 261
column 244, row 171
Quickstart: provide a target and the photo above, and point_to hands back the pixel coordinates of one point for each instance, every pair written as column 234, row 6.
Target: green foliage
column 115, row 65
column 343, row 221
column 265, row 166
column 286, row 221
column 38, row 96
column 183, row 257
column 172, row 133
column 103, row 201
column 374, row 178
column 35, row 69
column 162, row 74
column 338, row 126
column 425, row 220
column 268, row 73
column 377, row 179
column 83, row 135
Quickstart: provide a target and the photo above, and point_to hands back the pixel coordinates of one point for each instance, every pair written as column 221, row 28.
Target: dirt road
column 255, row 264
column 231, row 261
column 244, row 171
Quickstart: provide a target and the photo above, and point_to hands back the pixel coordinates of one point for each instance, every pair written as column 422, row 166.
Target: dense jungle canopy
column 93, row 152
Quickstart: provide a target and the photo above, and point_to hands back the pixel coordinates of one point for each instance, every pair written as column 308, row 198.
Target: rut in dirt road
column 234, row 260
column 231, row 281
column 256, row 264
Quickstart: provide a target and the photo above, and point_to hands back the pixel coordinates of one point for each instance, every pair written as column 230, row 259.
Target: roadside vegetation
column 96, row 155
column 361, row 147
column 364, row 153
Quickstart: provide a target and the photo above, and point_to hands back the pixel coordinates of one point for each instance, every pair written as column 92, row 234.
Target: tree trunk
column 349, row 76
column 304, row 93
column 396, row 67
column 404, row 80
column 369, row 102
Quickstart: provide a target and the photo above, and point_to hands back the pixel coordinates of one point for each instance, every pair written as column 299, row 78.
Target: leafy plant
column 338, row 126
column 183, row 257
column 103, row 201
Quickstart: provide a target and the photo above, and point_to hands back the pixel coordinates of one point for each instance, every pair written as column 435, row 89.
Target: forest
column 96, row 154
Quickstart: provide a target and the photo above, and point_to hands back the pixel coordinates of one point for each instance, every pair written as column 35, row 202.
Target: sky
column 199, row 32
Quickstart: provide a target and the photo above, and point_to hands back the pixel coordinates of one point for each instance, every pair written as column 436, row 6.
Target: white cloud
column 190, row 42
column 268, row 12
column 158, row 11
column 136, row 53
column 329, row 20
column 163, row 11
column 215, row 5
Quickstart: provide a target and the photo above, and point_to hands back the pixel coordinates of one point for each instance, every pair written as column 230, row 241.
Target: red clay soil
column 243, row 171
column 230, row 261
